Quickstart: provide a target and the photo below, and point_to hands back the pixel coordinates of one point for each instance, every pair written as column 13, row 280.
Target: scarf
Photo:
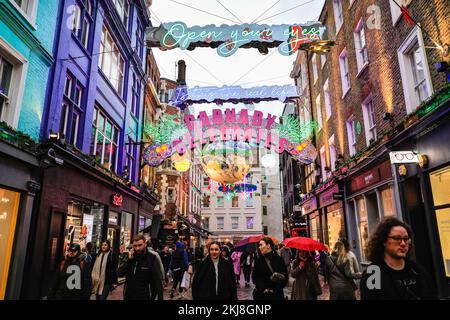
column 99, row 273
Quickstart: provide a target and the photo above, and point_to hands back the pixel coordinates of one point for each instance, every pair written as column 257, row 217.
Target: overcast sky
column 247, row 67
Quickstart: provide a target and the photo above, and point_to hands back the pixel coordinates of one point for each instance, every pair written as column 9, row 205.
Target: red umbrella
column 304, row 243
column 254, row 239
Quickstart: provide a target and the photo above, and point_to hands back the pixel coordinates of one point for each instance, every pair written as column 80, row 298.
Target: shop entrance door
column 55, row 248
column 113, row 236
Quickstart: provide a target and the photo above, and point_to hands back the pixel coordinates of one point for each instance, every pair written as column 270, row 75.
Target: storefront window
column 84, row 223
column 334, row 220
column 440, row 185
column 9, row 205
column 315, row 226
column 144, row 222
column 388, row 202
column 363, row 227
column 126, row 224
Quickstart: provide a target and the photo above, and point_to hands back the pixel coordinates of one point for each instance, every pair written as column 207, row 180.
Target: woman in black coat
column 104, row 279
column 269, row 286
column 214, row 278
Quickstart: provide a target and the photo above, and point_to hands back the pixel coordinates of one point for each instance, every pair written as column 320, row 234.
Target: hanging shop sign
column 228, row 39
column 403, row 157
column 235, row 94
column 117, row 200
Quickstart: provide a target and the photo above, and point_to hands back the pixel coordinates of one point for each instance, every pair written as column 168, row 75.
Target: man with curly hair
column 393, row 274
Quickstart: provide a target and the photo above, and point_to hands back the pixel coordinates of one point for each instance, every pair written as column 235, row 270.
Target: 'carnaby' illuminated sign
column 227, row 39
column 232, row 94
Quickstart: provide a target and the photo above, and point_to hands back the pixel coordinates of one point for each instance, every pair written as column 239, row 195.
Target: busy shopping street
column 221, row 150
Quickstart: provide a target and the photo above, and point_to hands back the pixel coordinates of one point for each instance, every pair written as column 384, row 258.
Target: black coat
column 59, row 289
column 143, row 277
column 111, row 267
column 204, row 282
column 165, row 259
column 261, row 277
column 392, row 288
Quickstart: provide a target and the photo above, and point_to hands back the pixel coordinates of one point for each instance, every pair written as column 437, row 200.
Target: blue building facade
column 92, row 125
column 98, row 80
column 27, row 29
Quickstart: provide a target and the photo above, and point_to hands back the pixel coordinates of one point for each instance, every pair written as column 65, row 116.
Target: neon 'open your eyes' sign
column 227, row 39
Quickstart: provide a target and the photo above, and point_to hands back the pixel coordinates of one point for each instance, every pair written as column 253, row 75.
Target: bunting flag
column 407, row 15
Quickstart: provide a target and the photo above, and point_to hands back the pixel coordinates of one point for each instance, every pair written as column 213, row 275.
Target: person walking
column 340, row 276
column 286, row 254
column 143, row 275
column 104, row 271
column 214, row 278
column 90, row 254
column 354, row 264
column 72, row 279
column 236, row 258
column 269, row 274
column 306, row 284
column 165, row 256
column 394, row 275
column 226, row 253
column 178, row 264
column 247, row 260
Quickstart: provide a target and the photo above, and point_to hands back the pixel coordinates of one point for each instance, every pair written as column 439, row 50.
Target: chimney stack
column 181, row 73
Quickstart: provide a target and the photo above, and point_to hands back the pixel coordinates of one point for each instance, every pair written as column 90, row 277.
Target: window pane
column 108, row 130
column 388, row 203
column 99, row 150
column 126, row 224
column 101, row 122
column 363, row 228
column 5, row 76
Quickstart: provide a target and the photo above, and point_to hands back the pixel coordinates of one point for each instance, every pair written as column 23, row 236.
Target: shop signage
column 228, row 39
column 117, row 200
column 309, row 206
column 338, row 196
column 371, row 177
column 327, row 197
column 403, row 157
column 297, row 208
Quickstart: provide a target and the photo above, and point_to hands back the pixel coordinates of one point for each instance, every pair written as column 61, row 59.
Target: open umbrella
column 303, row 243
column 250, row 244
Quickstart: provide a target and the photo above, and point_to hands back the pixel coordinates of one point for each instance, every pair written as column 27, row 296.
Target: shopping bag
column 186, row 282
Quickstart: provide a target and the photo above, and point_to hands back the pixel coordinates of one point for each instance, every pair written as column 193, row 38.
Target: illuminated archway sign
column 229, row 137
column 234, row 94
column 227, row 39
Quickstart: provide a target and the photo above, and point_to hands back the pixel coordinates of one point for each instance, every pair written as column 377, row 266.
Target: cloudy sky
column 247, row 67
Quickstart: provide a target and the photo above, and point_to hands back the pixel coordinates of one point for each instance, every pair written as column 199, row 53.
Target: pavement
column 243, row 292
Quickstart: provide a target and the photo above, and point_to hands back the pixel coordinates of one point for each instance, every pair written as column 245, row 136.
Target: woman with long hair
column 340, row 275
column 306, row 284
column 214, row 278
column 269, row 274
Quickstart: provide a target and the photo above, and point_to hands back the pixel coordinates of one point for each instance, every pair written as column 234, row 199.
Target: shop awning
column 195, row 228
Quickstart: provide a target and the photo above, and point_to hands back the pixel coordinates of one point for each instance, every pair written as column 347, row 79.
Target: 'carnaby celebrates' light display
column 229, row 138
column 227, row 39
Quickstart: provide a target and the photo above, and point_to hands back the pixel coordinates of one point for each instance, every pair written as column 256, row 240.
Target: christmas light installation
column 184, row 96
column 228, row 39
column 227, row 140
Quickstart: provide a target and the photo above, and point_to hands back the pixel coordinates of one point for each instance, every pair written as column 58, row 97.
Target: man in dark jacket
column 214, row 278
column 393, row 275
column 73, row 277
column 178, row 264
column 269, row 286
column 165, row 259
column 143, row 276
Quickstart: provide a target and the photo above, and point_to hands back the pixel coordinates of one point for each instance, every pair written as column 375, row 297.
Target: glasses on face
column 399, row 239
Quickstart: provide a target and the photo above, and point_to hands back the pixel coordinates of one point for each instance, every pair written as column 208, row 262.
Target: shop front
column 80, row 204
column 425, row 192
column 332, row 215
column 370, row 197
column 309, row 210
column 19, row 190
